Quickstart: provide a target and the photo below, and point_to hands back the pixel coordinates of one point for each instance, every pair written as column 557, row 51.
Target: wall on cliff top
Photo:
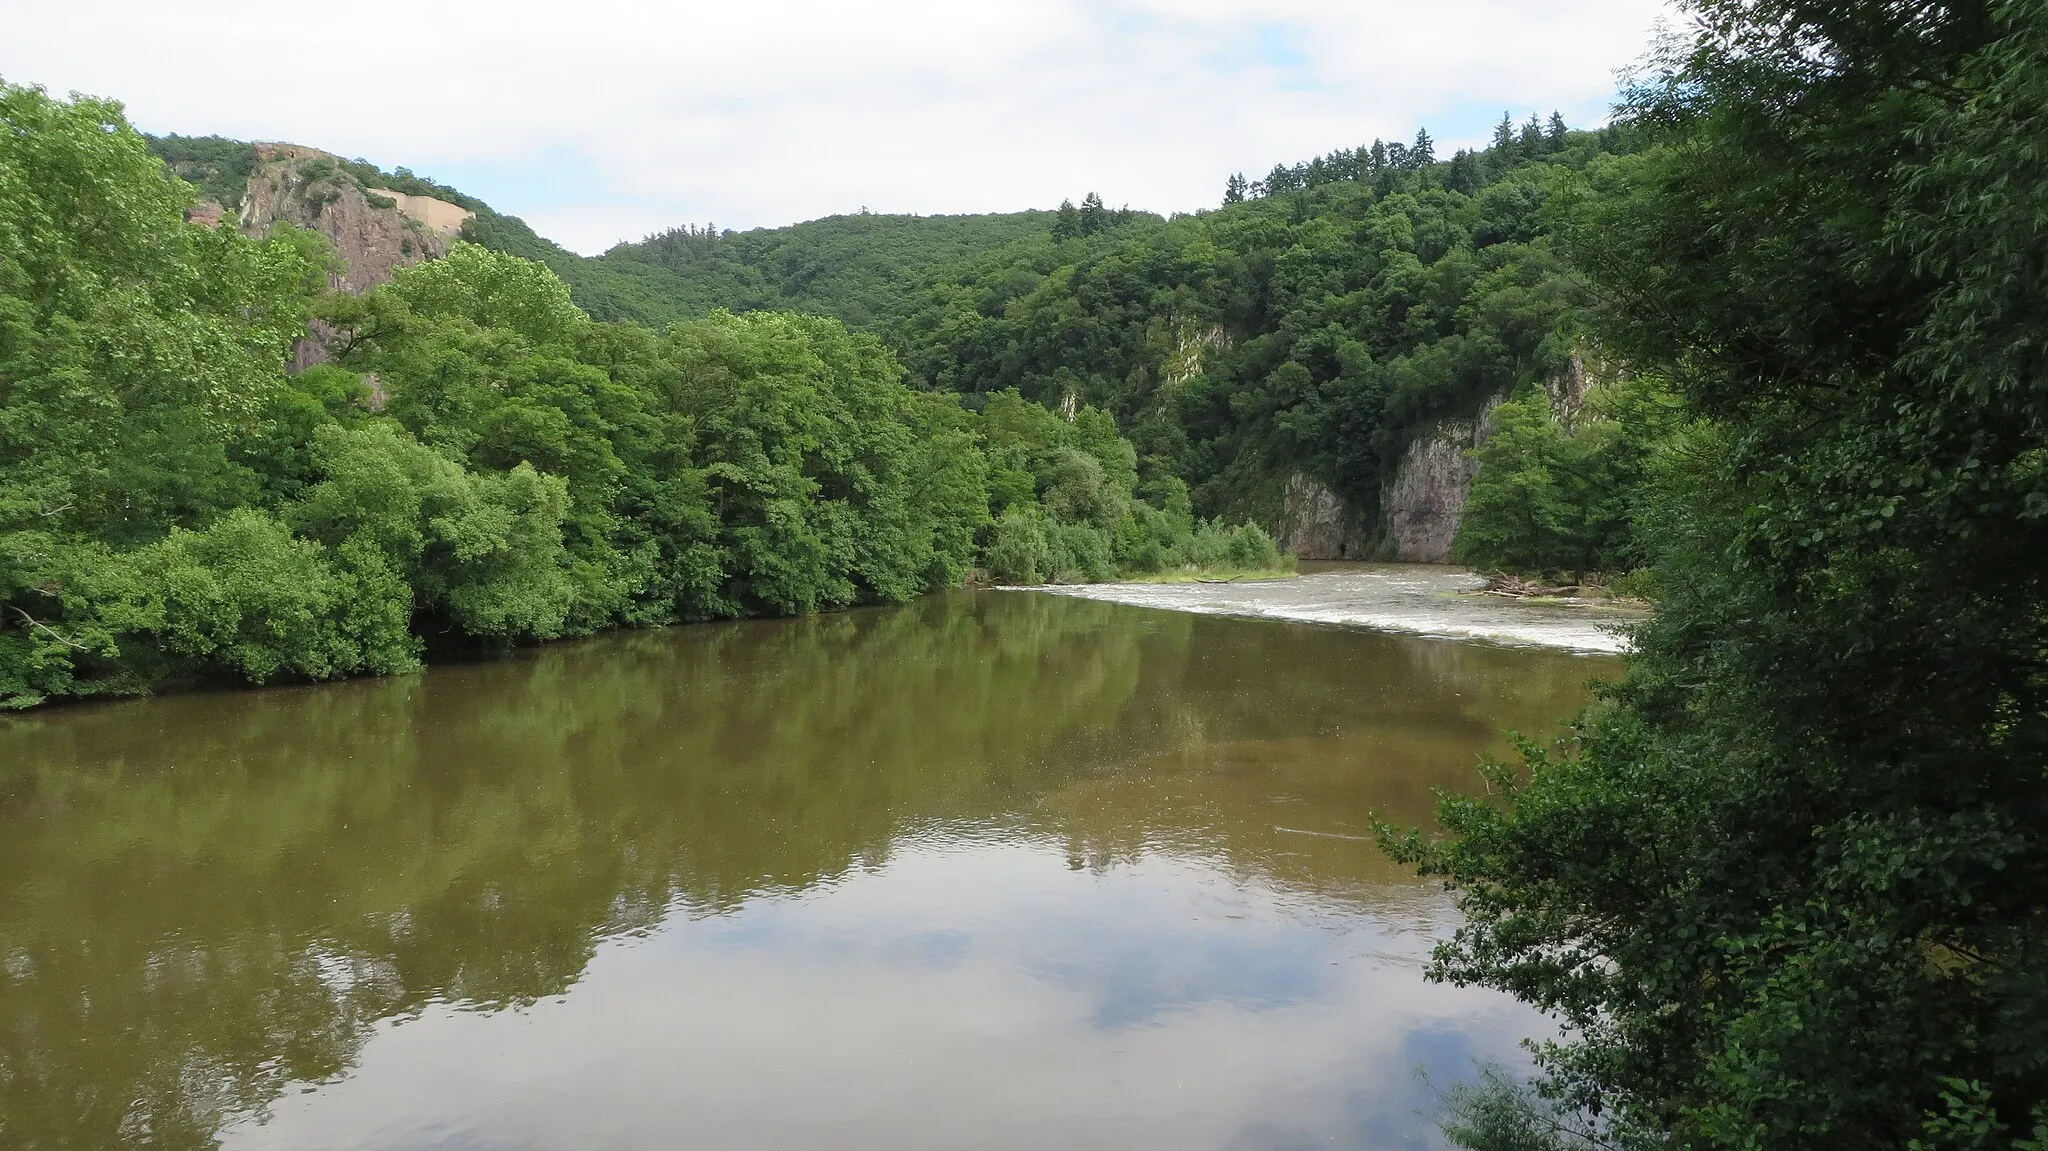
column 374, row 232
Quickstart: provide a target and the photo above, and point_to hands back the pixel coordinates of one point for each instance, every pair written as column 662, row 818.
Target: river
column 988, row 870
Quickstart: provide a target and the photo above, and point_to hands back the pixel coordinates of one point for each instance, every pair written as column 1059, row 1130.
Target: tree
column 1094, row 217
column 1423, row 151
column 1066, row 223
column 1786, row 885
column 1504, row 136
column 1234, row 189
column 1551, row 499
column 132, row 345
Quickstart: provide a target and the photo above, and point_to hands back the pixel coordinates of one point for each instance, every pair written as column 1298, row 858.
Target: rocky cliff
column 1421, row 505
column 1427, row 496
column 1419, row 509
column 1318, row 524
column 374, row 231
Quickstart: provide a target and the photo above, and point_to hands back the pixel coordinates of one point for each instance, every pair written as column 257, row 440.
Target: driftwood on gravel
column 1515, row 587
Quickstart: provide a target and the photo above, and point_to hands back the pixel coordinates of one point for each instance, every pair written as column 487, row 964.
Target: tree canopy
column 481, row 463
column 1786, row 884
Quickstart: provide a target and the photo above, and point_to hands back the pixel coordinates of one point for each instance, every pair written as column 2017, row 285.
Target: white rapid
column 1413, row 599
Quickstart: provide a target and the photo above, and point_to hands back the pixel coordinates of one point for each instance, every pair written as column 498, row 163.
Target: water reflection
column 1000, row 870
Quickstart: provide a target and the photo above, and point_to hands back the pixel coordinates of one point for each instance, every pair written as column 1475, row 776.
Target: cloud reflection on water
column 1162, row 1003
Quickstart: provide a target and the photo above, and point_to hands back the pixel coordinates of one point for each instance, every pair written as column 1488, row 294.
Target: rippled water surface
column 983, row 871
column 1411, row 599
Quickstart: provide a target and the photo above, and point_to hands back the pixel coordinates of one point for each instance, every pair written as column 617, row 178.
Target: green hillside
column 1318, row 323
column 859, row 268
column 865, row 269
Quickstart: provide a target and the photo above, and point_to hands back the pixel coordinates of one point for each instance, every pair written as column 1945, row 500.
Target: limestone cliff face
column 374, row 232
column 1428, row 493
column 1419, row 509
column 1318, row 524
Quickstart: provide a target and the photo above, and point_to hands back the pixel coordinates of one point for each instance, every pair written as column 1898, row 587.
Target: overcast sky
column 604, row 120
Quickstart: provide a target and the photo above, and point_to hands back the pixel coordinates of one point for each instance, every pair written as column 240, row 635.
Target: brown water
column 983, row 871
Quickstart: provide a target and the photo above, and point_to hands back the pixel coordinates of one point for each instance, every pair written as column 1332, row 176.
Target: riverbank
column 1408, row 599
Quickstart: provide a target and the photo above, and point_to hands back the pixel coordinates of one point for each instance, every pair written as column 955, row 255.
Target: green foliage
column 491, row 290
column 246, row 596
column 1498, row 1113
column 1069, row 507
column 219, row 166
column 1555, row 500
column 812, row 461
column 1786, row 886
column 132, row 348
column 863, row 269
column 172, row 506
column 486, row 550
column 1316, row 323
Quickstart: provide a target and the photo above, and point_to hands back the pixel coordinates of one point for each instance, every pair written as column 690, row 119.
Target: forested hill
column 862, row 268
column 462, row 457
column 1320, row 324
column 1335, row 329
column 865, row 268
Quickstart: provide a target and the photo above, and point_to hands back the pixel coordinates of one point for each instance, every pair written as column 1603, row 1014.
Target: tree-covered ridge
column 862, row 268
column 1323, row 319
column 1317, row 322
column 482, row 462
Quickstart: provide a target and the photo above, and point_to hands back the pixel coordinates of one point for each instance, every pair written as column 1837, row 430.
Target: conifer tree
column 1504, row 135
column 1423, row 152
column 1094, row 217
column 1067, row 223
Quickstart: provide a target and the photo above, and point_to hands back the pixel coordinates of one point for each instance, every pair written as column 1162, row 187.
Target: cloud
column 606, row 119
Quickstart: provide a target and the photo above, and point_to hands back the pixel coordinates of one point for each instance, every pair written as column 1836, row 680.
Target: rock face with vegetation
column 372, row 232
column 1317, row 524
column 1423, row 504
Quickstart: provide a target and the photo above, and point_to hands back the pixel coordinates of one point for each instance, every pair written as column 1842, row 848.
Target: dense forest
column 1785, row 885
column 481, row 463
column 1317, row 323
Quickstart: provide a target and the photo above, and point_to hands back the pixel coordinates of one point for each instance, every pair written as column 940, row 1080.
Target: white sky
column 608, row 119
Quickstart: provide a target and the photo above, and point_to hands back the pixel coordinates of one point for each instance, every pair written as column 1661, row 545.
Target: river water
column 988, row 870
column 1411, row 599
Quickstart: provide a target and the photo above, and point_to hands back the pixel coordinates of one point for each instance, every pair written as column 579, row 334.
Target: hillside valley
column 1322, row 354
column 1016, row 782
